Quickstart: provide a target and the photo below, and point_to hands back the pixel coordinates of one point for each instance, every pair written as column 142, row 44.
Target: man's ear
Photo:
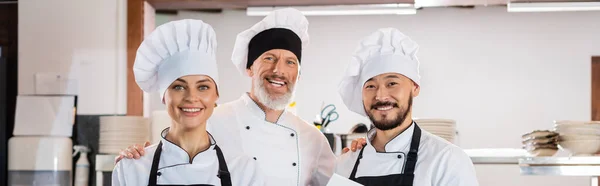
column 249, row 72
column 416, row 89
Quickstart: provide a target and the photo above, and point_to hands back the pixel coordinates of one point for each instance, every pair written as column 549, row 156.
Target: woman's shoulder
column 143, row 161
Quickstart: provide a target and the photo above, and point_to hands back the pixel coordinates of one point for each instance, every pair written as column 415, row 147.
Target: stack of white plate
column 581, row 138
column 120, row 132
column 540, row 143
column 444, row 128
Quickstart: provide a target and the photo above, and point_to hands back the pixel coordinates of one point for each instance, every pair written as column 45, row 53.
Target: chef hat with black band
column 385, row 51
column 285, row 28
column 173, row 50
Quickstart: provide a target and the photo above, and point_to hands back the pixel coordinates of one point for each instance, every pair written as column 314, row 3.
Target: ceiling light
column 373, row 9
column 553, row 7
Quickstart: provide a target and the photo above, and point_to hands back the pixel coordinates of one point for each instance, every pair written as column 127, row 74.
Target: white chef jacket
column 439, row 162
column 289, row 152
column 175, row 168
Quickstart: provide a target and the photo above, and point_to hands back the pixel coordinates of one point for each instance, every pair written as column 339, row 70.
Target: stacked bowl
column 581, row 138
column 444, row 128
column 540, row 143
column 120, row 132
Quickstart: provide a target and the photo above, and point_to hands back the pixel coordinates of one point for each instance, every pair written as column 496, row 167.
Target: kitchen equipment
column 82, row 167
column 581, row 147
column 119, row 132
column 40, row 160
column 104, row 167
column 580, row 138
column 328, row 114
column 444, row 128
column 540, row 142
column 38, row 115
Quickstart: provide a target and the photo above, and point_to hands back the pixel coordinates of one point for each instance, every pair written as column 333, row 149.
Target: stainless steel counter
column 561, row 166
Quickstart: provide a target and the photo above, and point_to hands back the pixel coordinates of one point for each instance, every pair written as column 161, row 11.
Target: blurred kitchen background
column 498, row 69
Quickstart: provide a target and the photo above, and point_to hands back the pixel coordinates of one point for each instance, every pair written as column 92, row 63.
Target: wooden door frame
column 595, row 92
column 595, row 88
column 138, row 12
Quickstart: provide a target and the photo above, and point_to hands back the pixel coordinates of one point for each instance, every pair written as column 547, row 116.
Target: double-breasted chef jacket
column 438, row 162
column 288, row 152
column 166, row 163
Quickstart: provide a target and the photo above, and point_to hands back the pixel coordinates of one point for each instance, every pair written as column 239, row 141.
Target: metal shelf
column 501, row 156
column 561, row 166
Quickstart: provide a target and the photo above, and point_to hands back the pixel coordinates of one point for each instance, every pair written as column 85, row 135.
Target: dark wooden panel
column 546, row 1
column 8, row 80
column 321, row 2
column 135, row 36
column 242, row 4
column 596, row 88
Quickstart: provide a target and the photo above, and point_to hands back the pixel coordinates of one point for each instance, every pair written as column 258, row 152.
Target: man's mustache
column 275, row 76
column 383, row 104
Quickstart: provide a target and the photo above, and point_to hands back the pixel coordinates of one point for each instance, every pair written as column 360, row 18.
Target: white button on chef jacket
column 174, row 167
column 289, row 152
column 439, row 162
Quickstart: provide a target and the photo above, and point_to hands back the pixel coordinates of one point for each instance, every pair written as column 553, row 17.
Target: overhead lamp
column 553, row 6
column 367, row 9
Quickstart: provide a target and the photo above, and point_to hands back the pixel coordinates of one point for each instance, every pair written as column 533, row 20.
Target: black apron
column 223, row 171
column 404, row 179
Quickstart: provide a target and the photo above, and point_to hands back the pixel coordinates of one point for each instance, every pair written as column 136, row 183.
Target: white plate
column 581, row 147
column 120, row 141
column 124, row 128
column 577, row 130
column 120, row 138
column 439, row 128
column 573, row 122
column 444, row 135
column 578, row 137
column 437, row 125
column 433, row 120
column 440, row 131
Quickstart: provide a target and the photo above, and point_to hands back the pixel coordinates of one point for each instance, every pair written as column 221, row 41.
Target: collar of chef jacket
column 255, row 110
column 400, row 143
column 392, row 161
column 173, row 155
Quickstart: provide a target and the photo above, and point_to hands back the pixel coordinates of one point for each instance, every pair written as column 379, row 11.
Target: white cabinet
column 84, row 39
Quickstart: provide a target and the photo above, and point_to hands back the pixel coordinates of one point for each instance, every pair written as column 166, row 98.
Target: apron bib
column 404, row 179
column 223, row 171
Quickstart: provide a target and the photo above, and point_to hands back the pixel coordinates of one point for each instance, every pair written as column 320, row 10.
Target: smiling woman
column 190, row 101
column 178, row 60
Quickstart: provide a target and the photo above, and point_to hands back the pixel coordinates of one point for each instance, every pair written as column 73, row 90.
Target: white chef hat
column 175, row 49
column 385, row 51
column 285, row 28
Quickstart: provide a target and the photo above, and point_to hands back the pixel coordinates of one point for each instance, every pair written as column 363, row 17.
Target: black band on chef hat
column 274, row 38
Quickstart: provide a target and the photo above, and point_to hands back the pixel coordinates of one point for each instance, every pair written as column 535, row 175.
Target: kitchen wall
column 498, row 74
column 81, row 39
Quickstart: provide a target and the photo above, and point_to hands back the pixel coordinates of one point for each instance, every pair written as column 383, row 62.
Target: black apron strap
column 411, row 162
column 154, row 170
column 353, row 174
column 414, row 148
column 404, row 179
column 223, row 170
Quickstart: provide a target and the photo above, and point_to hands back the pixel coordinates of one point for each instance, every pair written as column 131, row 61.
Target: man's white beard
column 272, row 102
